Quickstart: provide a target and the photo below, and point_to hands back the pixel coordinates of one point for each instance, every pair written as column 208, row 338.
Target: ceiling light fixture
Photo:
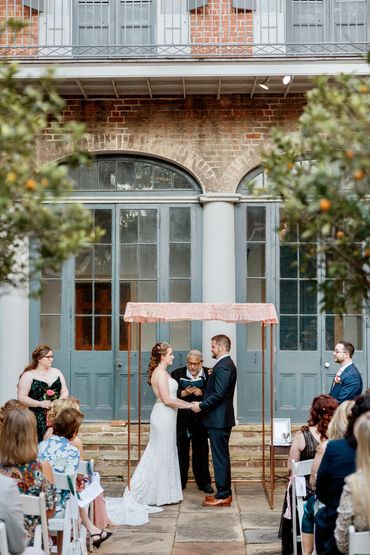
column 287, row 79
column 264, row 84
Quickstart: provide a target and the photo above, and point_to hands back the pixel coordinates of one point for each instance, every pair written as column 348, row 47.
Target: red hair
column 322, row 409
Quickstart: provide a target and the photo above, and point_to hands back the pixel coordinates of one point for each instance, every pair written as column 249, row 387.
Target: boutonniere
column 209, row 372
column 337, row 379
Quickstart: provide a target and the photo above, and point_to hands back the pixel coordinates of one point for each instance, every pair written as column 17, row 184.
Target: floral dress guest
column 40, row 384
column 64, row 458
column 18, row 460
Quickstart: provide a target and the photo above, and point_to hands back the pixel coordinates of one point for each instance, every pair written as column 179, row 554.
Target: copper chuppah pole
column 128, row 404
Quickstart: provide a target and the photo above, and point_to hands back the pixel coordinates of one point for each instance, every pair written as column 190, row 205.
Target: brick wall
column 218, row 141
column 27, row 36
column 219, row 23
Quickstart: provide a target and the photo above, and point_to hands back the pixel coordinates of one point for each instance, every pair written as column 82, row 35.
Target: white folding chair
column 65, row 525
column 359, row 542
column 35, row 506
column 299, row 470
column 86, row 468
column 4, row 550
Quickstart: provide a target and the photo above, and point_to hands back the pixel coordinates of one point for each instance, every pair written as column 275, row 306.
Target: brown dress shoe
column 213, row 502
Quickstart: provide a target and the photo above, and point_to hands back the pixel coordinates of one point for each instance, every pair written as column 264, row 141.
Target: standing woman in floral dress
column 39, row 384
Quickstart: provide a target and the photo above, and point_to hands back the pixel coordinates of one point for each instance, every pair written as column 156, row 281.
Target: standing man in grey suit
column 218, row 417
column 347, row 383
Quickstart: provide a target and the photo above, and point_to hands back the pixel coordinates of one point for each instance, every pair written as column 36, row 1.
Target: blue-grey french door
column 275, row 265
column 149, row 252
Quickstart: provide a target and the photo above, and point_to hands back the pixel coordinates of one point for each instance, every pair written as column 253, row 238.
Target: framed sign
column 282, row 433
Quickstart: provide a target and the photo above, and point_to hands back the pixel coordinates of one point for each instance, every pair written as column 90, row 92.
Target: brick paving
column 248, row 527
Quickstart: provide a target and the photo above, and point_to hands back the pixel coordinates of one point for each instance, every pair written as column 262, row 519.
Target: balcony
column 184, row 29
column 115, row 48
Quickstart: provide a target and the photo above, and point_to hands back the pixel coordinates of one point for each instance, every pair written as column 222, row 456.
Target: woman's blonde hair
column 159, row 350
column 360, row 480
column 18, row 438
column 61, row 404
column 339, row 423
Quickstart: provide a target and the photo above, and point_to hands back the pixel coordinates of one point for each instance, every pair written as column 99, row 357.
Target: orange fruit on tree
column 349, row 153
column 340, row 234
column 325, row 205
column 30, row 184
column 358, row 175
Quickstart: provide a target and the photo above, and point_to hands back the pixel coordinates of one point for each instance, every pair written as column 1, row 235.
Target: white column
column 14, row 339
column 218, row 264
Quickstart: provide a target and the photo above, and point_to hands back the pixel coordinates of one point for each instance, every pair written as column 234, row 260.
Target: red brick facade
column 218, row 141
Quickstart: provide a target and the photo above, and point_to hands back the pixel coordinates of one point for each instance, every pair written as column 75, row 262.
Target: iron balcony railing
column 124, row 29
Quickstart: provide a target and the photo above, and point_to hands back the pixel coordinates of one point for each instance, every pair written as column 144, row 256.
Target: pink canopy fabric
column 173, row 312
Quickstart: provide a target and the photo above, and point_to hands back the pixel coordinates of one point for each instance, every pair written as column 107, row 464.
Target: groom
column 218, row 410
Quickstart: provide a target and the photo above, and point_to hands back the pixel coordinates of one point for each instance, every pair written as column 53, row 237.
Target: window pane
column 128, row 293
column 180, row 291
column 288, row 296
column 83, row 300
column 308, row 333
column 180, row 336
column 162, row 178
column 148, row 226
column 143, row 172
column 50, row 296
column 307, row 261
column 128, row 224
column 180, row 182
column 87, row 178
column 180, row 224
column 125, row 176
column 179, row 260
column 147, row 292
column 289, row 333
column 256, row 291
column 83, row 264
column 103, row 262
column 83, row 333
column 147, row 261
column 256, row 260
column 256, row 227
column 308, row 297
column 129, row 262
column 50, row 331
column 102, row 333
column 102, row 298
column 103, row 219
column 353, row 331
column 107, row 175
column 288, row 261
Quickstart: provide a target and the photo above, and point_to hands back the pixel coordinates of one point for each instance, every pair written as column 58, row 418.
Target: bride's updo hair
column 159, row 350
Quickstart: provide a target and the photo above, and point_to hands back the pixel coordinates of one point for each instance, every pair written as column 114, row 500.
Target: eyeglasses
column 49, row 356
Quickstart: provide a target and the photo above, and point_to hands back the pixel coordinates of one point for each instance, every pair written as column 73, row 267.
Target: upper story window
column 131, row 174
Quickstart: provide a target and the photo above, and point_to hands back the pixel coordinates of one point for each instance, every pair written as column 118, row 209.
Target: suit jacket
column 187, row 418
column 217, row 405
column 350, row 385
column 337, row 463
column 12, row 514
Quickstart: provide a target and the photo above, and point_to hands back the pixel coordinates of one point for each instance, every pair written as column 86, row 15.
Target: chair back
column 4, row 550
column 299, row 469
column 35, row 506
column 86, row 468
column 359, row 542
column 64, row 481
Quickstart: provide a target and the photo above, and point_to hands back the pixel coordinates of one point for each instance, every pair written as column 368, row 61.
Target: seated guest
column 8, row 406
column 337, row 463
column 354, row 506
column 18, row 460
column 64, row 458
column 304, row 445
column 101, row 519
column 11, row 514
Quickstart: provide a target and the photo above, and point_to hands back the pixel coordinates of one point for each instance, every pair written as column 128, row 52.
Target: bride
column 156, row 480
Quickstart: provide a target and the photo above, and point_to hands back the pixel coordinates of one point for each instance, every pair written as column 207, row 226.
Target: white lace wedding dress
column 156, row 480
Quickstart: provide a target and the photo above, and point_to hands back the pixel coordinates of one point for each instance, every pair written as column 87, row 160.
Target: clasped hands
column 195, row 406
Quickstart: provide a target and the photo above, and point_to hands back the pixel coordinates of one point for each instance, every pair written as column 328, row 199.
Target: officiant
column 192, row 379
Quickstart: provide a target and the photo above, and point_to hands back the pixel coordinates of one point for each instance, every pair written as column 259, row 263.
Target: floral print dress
column 31, row 481
column 64, row 458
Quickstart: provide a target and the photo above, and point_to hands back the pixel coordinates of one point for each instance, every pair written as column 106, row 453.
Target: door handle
column 327, row 364
column 119, row 364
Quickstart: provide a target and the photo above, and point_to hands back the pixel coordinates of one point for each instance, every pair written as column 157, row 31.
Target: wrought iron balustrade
column 193, row 29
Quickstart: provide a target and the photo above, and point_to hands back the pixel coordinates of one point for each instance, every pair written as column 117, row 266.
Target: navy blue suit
column 218, row 410
column 350, row 385
column 337, row 463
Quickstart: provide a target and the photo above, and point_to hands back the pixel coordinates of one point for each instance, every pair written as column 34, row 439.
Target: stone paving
column 248, row 527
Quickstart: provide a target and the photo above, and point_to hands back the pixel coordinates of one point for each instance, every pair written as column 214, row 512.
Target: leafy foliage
column 322, row 175
column 32, row 211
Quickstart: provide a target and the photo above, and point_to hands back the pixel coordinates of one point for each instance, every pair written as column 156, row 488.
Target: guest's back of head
column 67, row 423
column 18, row 438
column 360, row 407
column 339, row 423
column 10, row 405
column 322, row 410
column 62, row 404
column 360, row 480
